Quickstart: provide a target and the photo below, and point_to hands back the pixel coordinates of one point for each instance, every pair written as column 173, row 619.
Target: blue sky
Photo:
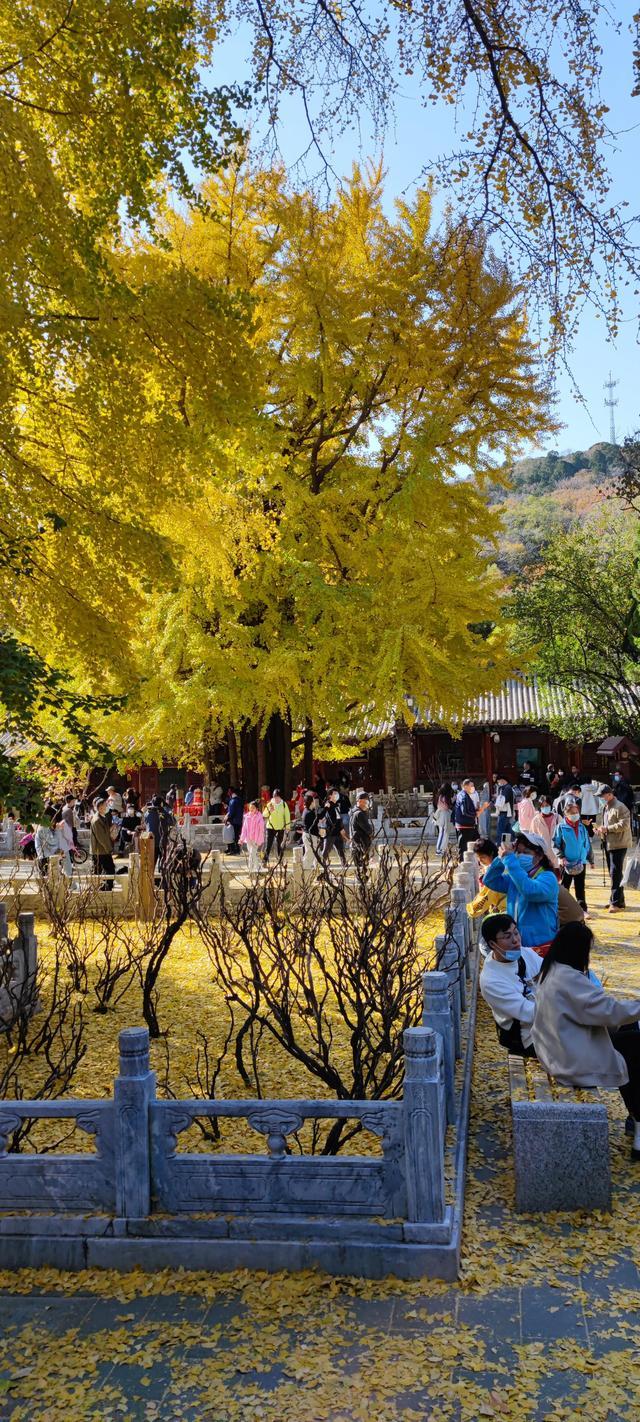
column 419, row 135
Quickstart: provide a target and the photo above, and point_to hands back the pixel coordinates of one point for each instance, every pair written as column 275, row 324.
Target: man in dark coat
column 361, row 831
column 235, row 812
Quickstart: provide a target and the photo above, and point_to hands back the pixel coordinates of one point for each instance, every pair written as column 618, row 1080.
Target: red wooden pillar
column 487, row 752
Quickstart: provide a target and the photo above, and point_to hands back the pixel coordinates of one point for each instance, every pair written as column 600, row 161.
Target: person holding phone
column 523, row 872
column 465, row 815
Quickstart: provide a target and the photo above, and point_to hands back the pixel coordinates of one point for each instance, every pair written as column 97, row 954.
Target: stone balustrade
column 137, row 1200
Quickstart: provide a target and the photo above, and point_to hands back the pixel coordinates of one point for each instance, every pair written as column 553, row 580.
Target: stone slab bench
column 560, row 1143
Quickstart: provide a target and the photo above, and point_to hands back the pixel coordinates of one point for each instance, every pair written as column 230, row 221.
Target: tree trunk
column 249, row 754
column 287, row 777
column 262, row 760
column 278, row 754
column 307, row 764
column 233, row 756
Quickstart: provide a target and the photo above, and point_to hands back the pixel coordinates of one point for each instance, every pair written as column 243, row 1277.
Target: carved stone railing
column 137, row 1200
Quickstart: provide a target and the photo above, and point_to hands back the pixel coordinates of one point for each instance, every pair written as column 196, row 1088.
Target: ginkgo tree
column 266, row 516
column 331, row 554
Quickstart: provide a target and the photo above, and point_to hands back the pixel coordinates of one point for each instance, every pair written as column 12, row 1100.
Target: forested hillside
column 547, row 495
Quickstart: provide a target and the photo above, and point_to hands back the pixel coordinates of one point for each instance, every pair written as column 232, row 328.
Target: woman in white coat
column 583, row 1036
column 64, row 843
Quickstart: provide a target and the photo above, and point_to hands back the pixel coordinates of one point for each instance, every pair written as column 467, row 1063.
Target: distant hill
column 548, row 494
column 539, row 475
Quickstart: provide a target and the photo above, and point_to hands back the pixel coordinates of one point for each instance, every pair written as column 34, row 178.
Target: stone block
column 561, row 1156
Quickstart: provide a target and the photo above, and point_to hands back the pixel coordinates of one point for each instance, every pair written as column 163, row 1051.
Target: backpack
column 511, row 1037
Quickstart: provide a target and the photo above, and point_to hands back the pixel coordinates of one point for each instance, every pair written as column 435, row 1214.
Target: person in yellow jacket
column 277, row 818
column 486, row 900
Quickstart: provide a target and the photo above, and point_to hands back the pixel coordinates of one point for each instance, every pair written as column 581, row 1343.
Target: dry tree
column 70, row 918
column 175, row 904
column 332, row 974
column 121, row 950
column 43, row 1039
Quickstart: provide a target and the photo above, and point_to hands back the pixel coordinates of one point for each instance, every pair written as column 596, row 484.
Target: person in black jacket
column 235, row 815
column 465, row 816
column 311, row 840
column 335, row 835
column 158, row 821
column 361, row 831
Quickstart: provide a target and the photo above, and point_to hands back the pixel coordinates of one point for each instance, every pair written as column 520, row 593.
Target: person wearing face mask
column 465, row 815
column 527, row 808
column 507, row 983
column 544, row 823
column 574, row 850
column 571, row 792
column 525, row 875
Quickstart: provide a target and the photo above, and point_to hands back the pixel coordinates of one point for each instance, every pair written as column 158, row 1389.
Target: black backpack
column 511, row 1037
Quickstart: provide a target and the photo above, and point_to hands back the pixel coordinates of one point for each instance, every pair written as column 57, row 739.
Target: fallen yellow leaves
column 309, row 1348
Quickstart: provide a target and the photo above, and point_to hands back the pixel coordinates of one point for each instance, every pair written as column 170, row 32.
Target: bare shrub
column 120, row 953
column 333, row 976
column 70, row 916
column 175, row 905
column 43, row 1044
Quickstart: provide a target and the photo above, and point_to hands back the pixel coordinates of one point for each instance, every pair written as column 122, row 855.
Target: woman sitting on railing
column 583, row 1036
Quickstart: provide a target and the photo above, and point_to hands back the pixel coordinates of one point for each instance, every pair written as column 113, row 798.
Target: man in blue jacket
column 465, row 816
column 525, row 875
column 235, row 813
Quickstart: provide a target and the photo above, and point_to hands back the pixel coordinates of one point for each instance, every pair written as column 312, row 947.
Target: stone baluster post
column 462, row 879
column 460, row 931
column 134, row 1089
column 448, row 963
column 437, row 1015
column 424, row 1124
column 470, row 866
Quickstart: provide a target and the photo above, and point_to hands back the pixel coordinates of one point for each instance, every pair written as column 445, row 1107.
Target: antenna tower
column 610, row 385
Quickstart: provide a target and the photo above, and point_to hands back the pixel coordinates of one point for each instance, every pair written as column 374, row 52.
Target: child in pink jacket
column 253, row 834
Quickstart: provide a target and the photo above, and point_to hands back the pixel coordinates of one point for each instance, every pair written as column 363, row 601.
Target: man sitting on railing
column 507, row 983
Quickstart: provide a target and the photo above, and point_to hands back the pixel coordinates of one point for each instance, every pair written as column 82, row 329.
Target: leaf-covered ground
column 542, row 1326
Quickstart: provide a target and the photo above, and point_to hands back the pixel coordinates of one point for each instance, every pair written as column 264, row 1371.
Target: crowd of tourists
column 322, row 821
column 536, row 977
column 562, row 822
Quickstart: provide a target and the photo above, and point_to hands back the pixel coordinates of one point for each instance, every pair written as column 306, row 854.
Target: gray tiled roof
column 520, row 701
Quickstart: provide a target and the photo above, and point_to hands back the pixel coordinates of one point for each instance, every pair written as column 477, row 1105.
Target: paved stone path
column 544, row 1324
